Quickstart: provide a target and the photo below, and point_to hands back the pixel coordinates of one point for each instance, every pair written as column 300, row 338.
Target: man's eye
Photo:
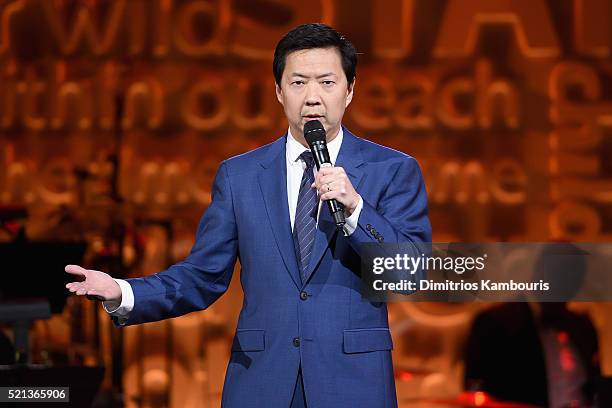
column 297, row 83
column 328, row 83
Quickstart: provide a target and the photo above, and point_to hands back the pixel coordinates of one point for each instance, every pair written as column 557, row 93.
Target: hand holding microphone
column 332, row 183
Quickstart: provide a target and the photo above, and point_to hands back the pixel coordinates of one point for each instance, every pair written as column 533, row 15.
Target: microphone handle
column 321, row 156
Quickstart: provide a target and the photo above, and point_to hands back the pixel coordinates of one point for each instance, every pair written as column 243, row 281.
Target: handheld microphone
column 314, row 133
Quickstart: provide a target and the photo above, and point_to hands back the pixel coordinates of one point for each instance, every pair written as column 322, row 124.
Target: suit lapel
column 273, row 184
column 350, row 158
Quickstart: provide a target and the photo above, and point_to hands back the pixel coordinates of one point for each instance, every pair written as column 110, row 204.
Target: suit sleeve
column 198, row 281
column 400, row 215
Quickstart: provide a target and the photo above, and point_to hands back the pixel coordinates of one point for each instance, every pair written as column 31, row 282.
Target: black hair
column 315, row 35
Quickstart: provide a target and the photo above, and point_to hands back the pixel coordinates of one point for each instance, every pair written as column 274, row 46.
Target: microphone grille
column 314, row 132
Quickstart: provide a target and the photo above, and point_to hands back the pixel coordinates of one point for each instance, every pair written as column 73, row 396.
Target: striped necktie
column 305, row 222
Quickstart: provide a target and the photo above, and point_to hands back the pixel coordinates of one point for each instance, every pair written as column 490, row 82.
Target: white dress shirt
column 295, row 171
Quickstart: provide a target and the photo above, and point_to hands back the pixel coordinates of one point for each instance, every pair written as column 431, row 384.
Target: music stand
column 34, row 284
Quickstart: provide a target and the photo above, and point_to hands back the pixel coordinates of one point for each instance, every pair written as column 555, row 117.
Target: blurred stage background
column 114, row 116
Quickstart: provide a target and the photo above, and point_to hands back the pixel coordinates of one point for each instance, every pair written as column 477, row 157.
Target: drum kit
column 467, row 399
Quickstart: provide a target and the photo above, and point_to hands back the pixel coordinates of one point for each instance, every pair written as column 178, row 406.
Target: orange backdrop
column 115, row 114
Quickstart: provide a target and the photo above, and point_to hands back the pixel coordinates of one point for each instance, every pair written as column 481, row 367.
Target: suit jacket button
column 380, row 239
column 303, row 295
column 296, row 341
column 369, row 227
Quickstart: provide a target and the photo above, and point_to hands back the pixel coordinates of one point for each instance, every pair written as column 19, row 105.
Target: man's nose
column 312, row 95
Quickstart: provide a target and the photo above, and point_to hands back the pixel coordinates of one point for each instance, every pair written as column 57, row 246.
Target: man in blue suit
column 305, row 337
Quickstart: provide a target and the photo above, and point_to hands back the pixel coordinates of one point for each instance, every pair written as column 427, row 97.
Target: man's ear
column 349, row 92
column 279, row 93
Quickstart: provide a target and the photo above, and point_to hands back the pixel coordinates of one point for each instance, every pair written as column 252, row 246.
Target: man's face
column 314, row 86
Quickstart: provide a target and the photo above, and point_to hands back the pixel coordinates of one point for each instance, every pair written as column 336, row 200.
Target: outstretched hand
column 95, row 285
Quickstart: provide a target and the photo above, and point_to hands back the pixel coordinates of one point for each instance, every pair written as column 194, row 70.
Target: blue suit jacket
column 344, row 344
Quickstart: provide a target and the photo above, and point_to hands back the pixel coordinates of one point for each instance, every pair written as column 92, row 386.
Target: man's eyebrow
column 300, row 75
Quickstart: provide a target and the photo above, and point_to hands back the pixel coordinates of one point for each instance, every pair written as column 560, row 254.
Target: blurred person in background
column 538, row 353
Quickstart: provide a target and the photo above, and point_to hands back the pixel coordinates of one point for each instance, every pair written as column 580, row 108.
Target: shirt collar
column 295, row 148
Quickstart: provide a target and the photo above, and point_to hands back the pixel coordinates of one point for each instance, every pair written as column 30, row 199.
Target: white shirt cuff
column 351, row 222
column 123, row 308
